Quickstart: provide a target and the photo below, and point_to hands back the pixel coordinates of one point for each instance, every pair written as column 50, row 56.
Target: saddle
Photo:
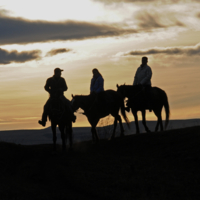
column 141, row 100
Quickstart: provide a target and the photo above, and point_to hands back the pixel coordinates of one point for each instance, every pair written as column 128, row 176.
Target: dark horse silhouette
column 137, row 102
column 95, row 110
column 59, row 115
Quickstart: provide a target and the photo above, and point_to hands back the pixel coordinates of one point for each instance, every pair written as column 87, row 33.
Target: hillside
column 146, row 166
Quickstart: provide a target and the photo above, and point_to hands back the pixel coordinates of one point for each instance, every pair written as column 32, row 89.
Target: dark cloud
column 57, row 51
column 152, row 19
column 7, row 57
column 18, row 30
column 190, row 51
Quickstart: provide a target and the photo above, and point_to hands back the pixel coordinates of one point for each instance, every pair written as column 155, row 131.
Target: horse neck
column 88, row 101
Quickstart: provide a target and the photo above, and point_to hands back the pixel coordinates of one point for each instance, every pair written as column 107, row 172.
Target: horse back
column 114, row 95
column 158, row 92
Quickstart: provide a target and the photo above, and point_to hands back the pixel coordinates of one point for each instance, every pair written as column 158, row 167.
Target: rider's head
column 57, row 72
column 144, row 60
column 95, row 72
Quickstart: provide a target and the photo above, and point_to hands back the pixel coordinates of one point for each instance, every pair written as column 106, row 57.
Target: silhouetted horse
column 137, row 102
column 60, row 116
column 94, row 110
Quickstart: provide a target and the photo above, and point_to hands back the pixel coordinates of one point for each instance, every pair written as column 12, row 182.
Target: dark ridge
column 162, row 165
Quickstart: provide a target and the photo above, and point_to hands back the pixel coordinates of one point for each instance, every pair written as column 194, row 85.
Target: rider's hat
column 56, row 70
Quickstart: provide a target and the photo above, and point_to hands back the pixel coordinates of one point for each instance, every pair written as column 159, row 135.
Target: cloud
column 21, row 31
column 190, row 51
column 7, row 57
column 145, row 1
column 124, row 1
column 152, row 19
column 54, row 52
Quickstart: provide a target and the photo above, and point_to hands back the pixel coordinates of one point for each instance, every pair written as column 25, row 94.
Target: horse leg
column 95, row 136
column 159, row 121
column 70, row 136
column 144, row 121
column 136, row 121
column 62, row 131
column 157, row 124
column 114, row 129
column 121, row 125
column 93, row 123
column 53, row 128
column 69, row 131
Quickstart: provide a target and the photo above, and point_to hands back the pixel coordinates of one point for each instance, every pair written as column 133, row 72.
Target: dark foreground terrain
column 147, row 166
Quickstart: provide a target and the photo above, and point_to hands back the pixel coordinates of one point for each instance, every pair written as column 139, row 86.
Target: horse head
column 75, row 102
column 122, row 90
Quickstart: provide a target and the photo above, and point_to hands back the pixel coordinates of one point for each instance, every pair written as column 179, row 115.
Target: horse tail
column 167, row 109
column 124, row 113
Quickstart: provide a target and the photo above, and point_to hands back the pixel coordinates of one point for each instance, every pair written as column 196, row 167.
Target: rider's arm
column 64, row 85
column 91, row 85
column 147, row 78
column 135, row 81
column 47, row 86
column 99, row 85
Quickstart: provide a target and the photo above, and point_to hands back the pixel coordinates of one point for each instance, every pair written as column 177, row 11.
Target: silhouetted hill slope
column 146, row 166
column 80, row 134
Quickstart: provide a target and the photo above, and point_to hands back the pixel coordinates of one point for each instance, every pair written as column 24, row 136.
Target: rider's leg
column 45, row 113
column 69, row 107
column 148, row 96
column 103, row 101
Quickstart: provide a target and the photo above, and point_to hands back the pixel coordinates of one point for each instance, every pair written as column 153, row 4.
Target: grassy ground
column 147, row 166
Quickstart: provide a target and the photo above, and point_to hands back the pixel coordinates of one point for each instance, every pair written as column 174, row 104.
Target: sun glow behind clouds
column 53, row 10
column 61, row 10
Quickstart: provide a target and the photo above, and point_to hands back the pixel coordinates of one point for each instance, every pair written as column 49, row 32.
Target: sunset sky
column 111, row 35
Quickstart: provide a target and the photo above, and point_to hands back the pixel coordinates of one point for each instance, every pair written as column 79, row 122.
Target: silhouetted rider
column 97, row 82
column 97, row 86
column 143, row 77
column 56, row 86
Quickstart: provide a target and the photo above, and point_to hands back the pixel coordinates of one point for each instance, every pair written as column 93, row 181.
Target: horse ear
column 72, row 96
column 124, row 83
column 117, row 86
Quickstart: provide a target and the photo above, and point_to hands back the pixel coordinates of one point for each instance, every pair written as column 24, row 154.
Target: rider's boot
column 44, row 119
column 43, row 123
